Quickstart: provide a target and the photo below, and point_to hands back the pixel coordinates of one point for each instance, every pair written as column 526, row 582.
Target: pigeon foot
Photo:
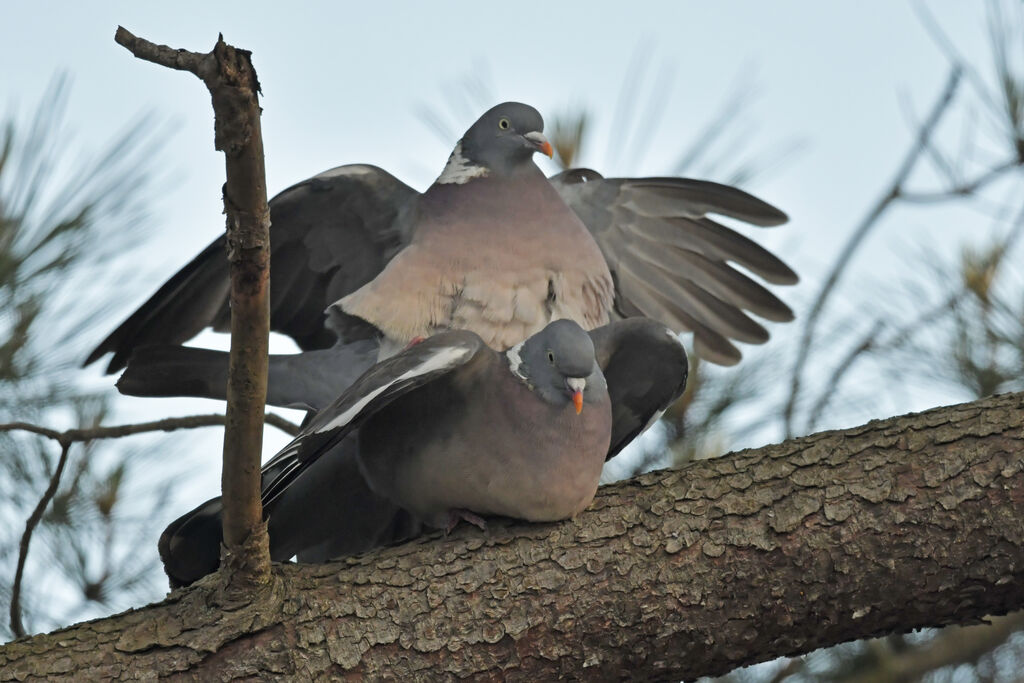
column 456, row 515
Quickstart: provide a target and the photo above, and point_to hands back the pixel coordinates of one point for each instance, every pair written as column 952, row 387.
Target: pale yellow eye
column 504, row 124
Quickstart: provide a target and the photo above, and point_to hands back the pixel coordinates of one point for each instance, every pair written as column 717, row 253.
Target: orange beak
column 546, row 148
column 577, row 400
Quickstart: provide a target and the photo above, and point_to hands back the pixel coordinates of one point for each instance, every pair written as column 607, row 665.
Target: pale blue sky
column 343, row 82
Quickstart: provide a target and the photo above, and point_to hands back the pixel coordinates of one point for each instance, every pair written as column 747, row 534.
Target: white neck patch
column 459, row 169
column 515, row 362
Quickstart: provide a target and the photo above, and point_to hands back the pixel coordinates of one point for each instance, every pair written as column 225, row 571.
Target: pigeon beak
column 576, row 386
column 540, row 143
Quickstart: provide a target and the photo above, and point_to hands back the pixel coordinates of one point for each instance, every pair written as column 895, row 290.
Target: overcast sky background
column 347, row 82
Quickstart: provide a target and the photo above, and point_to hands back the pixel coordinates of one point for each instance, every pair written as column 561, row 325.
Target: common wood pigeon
column 449, row 429
column 492, row 246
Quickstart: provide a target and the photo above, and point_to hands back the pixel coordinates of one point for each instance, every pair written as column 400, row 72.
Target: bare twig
column 793, row 666
column 646, row 127
column 231, row 79
column 202, row 65
column 70, row 436
column 869, row 343
column 962, row 188
column 866, row 344
column 169, row 424
column 717, row 125
column 624, row 109
column 863, row 229
column 286, row 426
column 943, row 166
column 953, row 645
column 30, row 525
column 945, row 43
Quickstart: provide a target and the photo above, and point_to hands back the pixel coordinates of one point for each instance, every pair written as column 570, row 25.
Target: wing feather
column 673, row 263
column 627, row 350
column 376, row 388
column 329, row 235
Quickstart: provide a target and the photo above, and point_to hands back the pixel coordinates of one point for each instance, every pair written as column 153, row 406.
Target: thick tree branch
column 231, row 79
column 894, row 525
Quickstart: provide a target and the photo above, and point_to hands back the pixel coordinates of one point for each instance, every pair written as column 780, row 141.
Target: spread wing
column 672, row 263
column 329, row 235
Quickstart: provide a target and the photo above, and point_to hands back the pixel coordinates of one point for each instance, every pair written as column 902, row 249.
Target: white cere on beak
column 576, row 383
column 535, row 137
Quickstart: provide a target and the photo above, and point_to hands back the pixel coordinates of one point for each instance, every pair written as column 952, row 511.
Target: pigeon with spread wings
column 492, row 246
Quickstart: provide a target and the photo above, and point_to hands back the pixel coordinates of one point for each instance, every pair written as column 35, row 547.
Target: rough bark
column 229, row 75
column 898, row 524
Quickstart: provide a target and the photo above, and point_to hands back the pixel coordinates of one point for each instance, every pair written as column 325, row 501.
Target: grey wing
column 308, row 381
column 377, row 387
column 645, row 366
column 329, row 235
column 671, row 262
column 327, row 512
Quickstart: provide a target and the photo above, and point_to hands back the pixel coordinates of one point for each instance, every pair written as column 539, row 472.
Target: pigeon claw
column 456, row 515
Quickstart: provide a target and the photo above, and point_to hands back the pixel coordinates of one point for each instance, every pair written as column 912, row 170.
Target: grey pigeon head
column 505, row 138
column 559, row 361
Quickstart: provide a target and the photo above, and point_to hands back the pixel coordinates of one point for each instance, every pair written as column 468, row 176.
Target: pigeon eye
column 504, row 124
column 551, row 357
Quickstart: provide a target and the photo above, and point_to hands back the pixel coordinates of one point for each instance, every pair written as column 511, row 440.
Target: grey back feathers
column 494, row 249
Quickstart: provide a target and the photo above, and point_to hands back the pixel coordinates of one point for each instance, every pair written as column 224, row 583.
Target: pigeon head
column 559, row 364
column 501, row 141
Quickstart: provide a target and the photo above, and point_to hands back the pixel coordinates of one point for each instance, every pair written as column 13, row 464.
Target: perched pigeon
column 450, row 429
column 492, row 246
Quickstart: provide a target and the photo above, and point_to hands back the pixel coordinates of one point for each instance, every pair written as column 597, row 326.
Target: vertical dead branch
column 231, row 79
